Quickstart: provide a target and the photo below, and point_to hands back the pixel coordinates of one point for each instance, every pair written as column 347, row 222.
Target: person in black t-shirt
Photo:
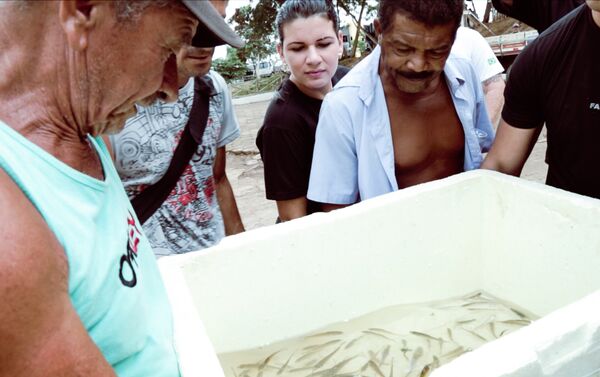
column 539, row 14
column 310, row 44
column 556, row 80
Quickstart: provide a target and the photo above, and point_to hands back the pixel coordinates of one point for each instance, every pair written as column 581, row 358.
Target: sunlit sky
column 221, row 51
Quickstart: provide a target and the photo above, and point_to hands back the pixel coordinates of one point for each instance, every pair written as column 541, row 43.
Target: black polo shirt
column 286, row 141
column 556, row 81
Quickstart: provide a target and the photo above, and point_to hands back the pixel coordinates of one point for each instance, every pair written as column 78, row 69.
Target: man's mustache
column 415, row 75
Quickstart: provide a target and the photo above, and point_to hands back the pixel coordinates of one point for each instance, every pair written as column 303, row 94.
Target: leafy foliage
column 352, row 8
column 231, row 67
column 256, row 25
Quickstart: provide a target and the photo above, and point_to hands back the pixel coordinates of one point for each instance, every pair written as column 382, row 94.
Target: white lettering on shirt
column 595, row 106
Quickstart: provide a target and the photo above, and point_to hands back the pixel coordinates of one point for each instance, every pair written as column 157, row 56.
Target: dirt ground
column 244, row 166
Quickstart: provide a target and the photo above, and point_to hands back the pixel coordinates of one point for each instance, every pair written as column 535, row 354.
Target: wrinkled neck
column 37, row 87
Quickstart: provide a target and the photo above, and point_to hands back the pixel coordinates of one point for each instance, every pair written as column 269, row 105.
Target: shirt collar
column 366, row 76
column 454, row 76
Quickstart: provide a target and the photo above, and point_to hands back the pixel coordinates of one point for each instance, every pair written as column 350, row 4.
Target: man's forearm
column 231, row 215
column 511, row 149
column 494, row 97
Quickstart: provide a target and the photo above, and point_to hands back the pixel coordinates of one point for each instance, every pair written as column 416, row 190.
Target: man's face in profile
column 142, row 50
column 197, row 61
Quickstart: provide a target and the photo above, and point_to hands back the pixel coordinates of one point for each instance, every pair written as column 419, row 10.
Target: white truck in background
column 511, row 44
column 263, row 68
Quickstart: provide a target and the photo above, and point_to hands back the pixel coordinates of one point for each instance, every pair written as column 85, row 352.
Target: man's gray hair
column 131, row 10
column 126, row 10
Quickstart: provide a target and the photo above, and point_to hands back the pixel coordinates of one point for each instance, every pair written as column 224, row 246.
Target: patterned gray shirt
column 190, row 218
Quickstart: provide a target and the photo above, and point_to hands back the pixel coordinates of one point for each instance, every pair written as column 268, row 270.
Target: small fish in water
column 518, row 322
column 249, row 366
column 385, row 353
column 326, row 333
column 326, row 358
column 373, row 356
column 435, row 363
column 481, row 302
column 450, row 337
column 404, row 351
column 417, row 353
column 454, row 353
column 322, row 345
column 384, row 331
column 465, row 321
column 429, row 338
column 377, row 334
column 426, row 336
column 301, row 369
column 474, row 334
column 425, row 371
column 518, row 313
column 265, row 362
column 306, row 356
column 376, row 368
column 473, row 295
column 343, row 363
column 334, row 370
column 316, row 349
column 481, row 308
column 353, row 341
column 284, row 366
column 493, row 329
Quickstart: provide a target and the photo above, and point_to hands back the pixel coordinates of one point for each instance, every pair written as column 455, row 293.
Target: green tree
column 352, row 8
column 230, row 67
column 256, row 25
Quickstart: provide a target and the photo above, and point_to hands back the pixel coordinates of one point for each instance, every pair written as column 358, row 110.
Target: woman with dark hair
column 310, row 44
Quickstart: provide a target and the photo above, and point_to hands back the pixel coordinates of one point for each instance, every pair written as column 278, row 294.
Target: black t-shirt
column 539, row 14
column 556, row 80
column 286, row 141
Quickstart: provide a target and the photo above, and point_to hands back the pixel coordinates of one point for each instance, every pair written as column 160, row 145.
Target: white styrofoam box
column 530, row 244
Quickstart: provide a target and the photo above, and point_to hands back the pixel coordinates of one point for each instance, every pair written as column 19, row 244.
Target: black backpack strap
column 149, row 200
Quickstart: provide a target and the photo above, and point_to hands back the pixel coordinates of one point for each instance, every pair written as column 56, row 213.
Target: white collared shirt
column 354, row 156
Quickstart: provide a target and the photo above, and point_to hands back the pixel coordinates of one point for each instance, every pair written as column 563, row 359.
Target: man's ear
column 279, row 49
column 76, row 20
column 378, row 30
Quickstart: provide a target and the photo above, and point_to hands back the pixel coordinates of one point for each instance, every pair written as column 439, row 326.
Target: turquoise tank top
column 114, row 282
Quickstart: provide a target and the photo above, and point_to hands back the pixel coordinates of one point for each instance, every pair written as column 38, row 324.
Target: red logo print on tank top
column 128, row 262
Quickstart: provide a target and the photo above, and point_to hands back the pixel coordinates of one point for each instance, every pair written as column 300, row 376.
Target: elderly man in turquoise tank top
column 80, row 290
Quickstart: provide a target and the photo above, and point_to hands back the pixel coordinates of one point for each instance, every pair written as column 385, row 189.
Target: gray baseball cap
column 209, row 16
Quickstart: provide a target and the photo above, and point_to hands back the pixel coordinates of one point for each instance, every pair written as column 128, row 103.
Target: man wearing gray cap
column 80, row 290
column 198, row 208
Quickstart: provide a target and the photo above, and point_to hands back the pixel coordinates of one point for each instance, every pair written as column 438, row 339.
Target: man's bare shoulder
column 23, row 230
column 36, row 311
column 33, row 270
column 31, row 259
